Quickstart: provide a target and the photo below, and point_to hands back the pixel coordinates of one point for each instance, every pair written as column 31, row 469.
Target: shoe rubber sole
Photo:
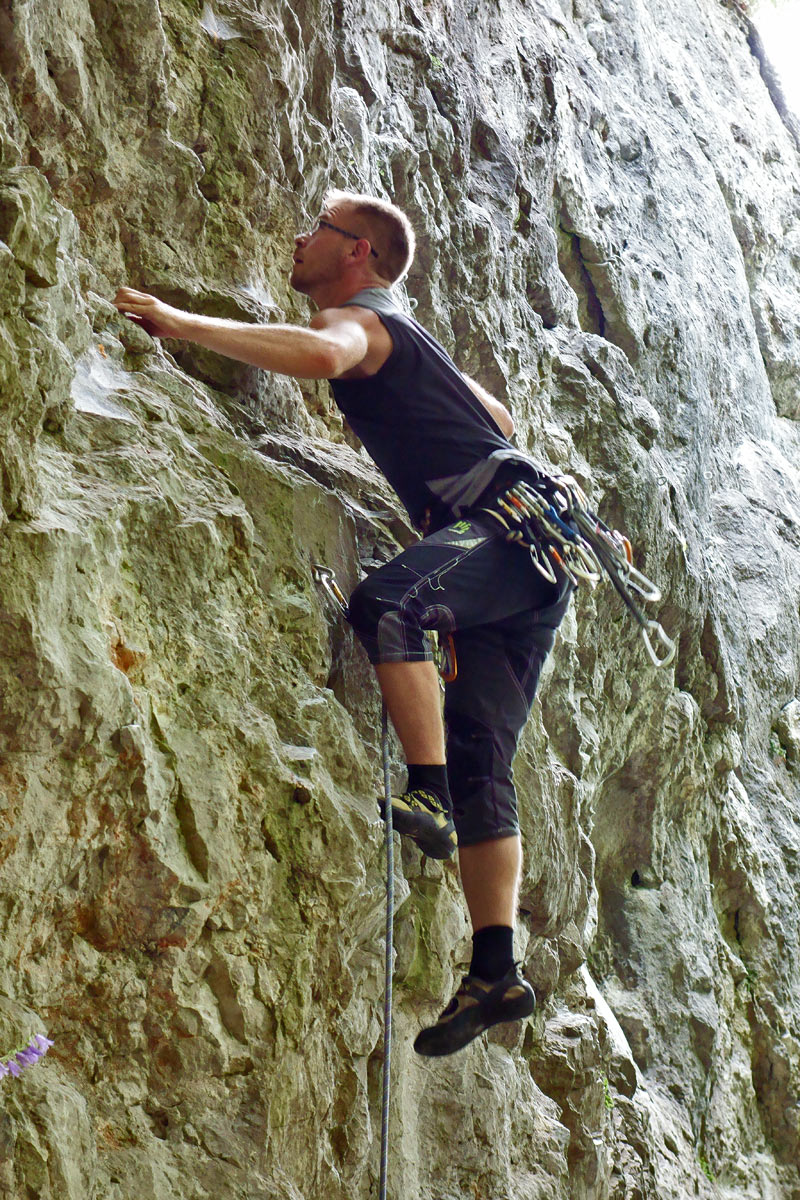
column 434, row 840
column 448, row 1036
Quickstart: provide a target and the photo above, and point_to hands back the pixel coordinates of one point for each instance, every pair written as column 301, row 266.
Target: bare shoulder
column 379, row 340
column 326, row 318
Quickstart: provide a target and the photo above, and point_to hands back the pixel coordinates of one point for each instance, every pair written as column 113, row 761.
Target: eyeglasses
column 357, row 237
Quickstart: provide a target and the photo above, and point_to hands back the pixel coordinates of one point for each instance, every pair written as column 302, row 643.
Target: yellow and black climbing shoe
column 476, row 1006
column 422, row 816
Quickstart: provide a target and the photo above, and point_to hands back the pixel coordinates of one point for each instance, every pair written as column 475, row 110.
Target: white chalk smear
column 217, row 27
column 96, row 378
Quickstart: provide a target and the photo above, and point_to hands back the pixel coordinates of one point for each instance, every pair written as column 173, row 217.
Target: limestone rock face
column 608, row 210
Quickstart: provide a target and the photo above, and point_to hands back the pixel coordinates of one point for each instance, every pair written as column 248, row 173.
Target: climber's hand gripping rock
column 158, row 319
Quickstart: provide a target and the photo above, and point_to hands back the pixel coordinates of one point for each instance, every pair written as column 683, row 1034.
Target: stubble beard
column 327, row 273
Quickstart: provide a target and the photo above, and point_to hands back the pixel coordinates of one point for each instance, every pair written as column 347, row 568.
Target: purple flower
column 36, row 1048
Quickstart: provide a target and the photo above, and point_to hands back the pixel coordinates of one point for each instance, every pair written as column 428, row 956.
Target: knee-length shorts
column 467, row 581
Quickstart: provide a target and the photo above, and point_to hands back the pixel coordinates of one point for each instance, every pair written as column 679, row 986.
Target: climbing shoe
column 475, row 1006
column 423, row 816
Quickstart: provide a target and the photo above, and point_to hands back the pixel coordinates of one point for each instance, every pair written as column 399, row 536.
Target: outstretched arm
column 287, row 349
column 497, row 411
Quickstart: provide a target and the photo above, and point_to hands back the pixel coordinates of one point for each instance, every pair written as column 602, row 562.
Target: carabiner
column 512, row 512
column 652, row 628
column 563, row 564
column 326, row 577
column 542, row 565
column 641, row 584
column 491, row 513
column 582, row 562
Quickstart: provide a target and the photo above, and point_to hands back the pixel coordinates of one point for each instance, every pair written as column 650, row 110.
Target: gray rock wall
column 608, row 205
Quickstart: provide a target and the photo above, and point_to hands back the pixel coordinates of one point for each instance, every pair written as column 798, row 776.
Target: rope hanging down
column 325, row 576
column 389, row 943
column 550, row 515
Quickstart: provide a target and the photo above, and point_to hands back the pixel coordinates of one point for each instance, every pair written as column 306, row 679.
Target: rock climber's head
column 372, row 244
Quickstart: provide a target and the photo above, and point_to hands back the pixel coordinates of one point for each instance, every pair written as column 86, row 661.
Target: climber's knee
column 365, row 608
column 386, row 624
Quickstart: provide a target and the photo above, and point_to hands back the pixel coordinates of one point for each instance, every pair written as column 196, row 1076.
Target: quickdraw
column 551, row 517
column 326, row 577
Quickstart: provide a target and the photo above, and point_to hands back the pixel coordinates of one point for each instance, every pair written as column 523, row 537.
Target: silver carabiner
column 542, row 564
column 634, row 579
column 574, row 490
column 583, row 563
column 491, row 513
column 653, row 629
column 326, row 577
column 641, row 584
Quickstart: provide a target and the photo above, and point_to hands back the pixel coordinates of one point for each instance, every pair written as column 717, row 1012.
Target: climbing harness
column 550, row 516
column 325, row 576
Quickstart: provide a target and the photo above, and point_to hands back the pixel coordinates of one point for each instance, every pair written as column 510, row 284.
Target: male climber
column 442, row 442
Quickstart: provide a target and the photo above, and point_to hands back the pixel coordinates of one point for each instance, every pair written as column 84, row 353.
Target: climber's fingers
column 155, row 317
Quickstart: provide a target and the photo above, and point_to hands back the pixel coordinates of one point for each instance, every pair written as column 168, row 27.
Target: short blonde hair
column 388, row 228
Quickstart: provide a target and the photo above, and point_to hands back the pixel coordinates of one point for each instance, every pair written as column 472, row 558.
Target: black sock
column 431, row 777
column 492, row 952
